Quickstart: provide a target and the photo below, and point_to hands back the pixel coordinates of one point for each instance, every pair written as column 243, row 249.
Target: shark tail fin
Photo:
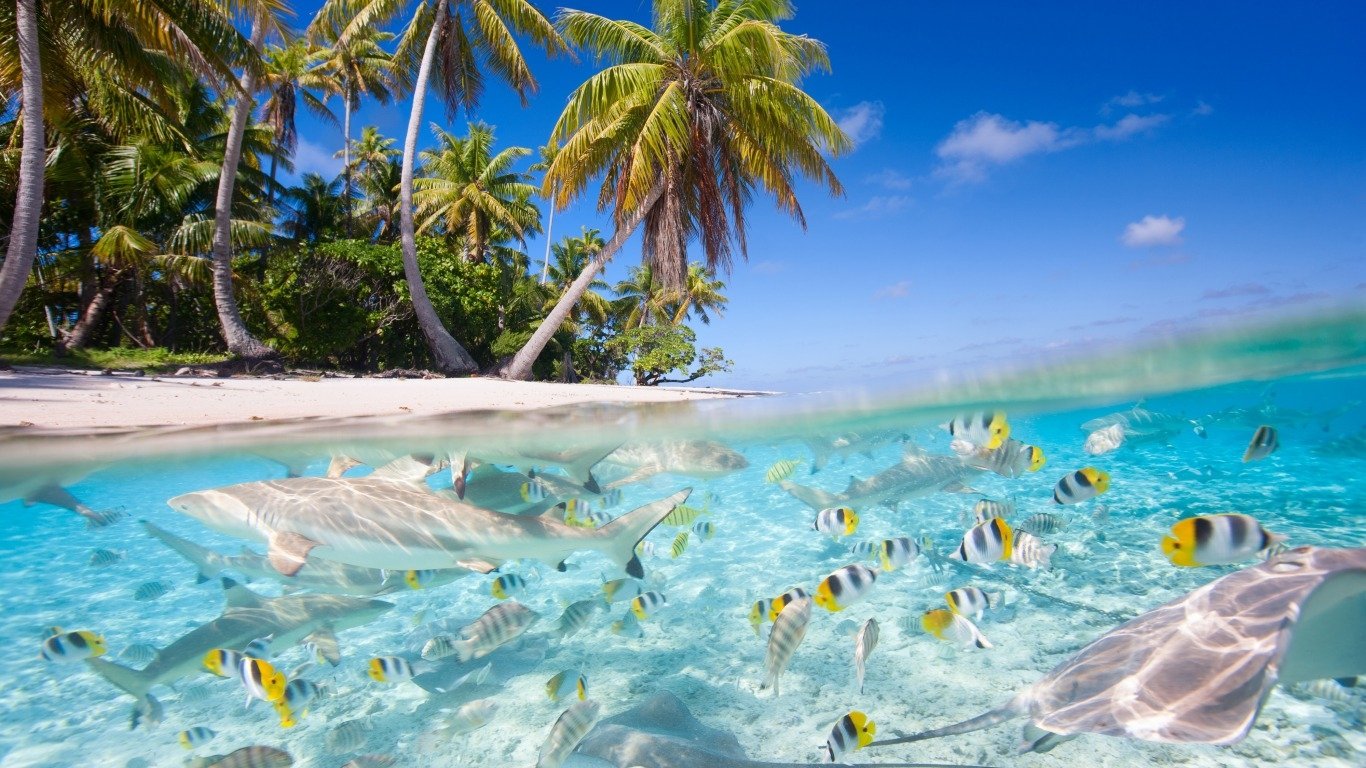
column 985, row 720
column 202, row 558
column 582, row 468
column 811, row 497
column 618, row 539
column 128, row 680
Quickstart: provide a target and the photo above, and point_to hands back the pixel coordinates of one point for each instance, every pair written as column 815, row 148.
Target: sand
column 74, row 400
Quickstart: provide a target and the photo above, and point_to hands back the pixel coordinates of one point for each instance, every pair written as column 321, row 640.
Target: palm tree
column 547, row 154
column 379, row 186
column 265, row 17
column 360, row 67
column 317, row 209
column 466, row 190
column 572, row 256
column 293, row 73
column 643, row 299
column 87, row 56
column 688, row 120
column 438, row 41
column 700, row 294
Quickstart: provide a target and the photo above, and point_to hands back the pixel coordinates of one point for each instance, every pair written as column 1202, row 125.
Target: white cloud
column 986, row 139
column 863, row 121
column 1202, row 109
column 1132, row 100
column 1153, row 231
column 877, row 207
column 1128, row 126
column 897, row 290
column 312, row 158
column 890, row 178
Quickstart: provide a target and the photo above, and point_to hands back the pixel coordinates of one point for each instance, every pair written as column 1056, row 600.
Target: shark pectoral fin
column 478, row 566
column 289, row 551
column 957, row 487
column 339, row 464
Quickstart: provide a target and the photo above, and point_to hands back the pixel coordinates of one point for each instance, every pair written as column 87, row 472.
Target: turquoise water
column 1108, row 568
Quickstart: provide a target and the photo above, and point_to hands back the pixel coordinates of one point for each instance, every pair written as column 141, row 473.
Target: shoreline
column 43, row 398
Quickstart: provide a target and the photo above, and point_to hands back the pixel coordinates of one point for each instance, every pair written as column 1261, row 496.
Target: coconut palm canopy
column 688, row 119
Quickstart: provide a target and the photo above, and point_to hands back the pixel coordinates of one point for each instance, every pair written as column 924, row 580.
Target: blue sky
column 1028, row 178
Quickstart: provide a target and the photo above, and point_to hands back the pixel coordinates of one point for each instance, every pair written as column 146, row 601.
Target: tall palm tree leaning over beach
column 687, row 120
column 265, row 18
column 438, row 45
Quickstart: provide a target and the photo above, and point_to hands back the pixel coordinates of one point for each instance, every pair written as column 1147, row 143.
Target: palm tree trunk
column 449, row 356
column 550, row 225
column 346, row 162
column 90, row 317
column 239, row 340
column 520, row 366
column 28, row 200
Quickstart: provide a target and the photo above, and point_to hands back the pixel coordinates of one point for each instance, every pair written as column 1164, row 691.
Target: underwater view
column 753, row 582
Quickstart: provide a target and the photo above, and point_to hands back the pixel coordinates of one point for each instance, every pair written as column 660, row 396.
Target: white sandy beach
column 75, row 400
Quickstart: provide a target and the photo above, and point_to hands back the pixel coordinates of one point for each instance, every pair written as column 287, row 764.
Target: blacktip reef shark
column 1199, row 669
column 317, row 575
column 382, row 523
column 917, row 474
column 701, row 459
column 247, row 616
column 47, row 488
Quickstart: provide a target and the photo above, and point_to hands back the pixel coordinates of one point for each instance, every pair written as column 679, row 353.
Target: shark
column 246, row 616
column 317, row 575
column 1198, row 669
column 48, row 488
column 576, row 462
column 383, row 523
column 917, row 474
column 842, row 445
column 702, row 459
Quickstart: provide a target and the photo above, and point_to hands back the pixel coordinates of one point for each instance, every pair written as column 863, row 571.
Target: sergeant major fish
column 788, row 631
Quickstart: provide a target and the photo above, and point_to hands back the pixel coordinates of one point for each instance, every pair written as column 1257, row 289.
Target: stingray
column 662, row 733
column 1199, row 669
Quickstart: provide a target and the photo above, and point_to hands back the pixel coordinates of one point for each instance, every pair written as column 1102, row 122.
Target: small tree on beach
column 689, row 119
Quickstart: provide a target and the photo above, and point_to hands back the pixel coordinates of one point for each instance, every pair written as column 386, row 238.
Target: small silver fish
column 568, row 731
column 788, row 631
column 151, row 590
column 1030, row 551
column 864, row 643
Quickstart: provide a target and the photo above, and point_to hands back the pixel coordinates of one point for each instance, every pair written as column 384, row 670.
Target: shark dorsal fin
column 237, row 596
column 410, row 469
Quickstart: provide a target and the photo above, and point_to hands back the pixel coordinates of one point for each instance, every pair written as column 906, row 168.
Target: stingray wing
column 1197, row 669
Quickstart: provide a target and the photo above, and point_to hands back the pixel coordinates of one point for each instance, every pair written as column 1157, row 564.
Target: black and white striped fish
column 102, row 558
column 1043, row 524
column 573, row 724
column 1265, row 441
column 576, row 616
column 971, row 601
column 845, row 586
column 1031, row 552
column 151, row 590
column 1085, row 483
column 788, row 631
column 985, row 543
column 853, row 731
column 498, row 625
column 898, row 552
column 253, row 757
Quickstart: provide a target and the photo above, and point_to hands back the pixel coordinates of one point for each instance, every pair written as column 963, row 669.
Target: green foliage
column 658, row 350
column 118, row 359
column 345, row 304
